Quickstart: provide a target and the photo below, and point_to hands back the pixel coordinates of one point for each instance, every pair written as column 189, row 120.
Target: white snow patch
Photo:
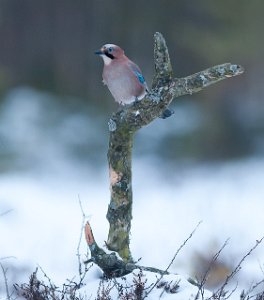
column 171, row 286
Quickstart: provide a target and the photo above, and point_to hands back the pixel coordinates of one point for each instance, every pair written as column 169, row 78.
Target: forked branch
column 122, row 127
column 127, row 121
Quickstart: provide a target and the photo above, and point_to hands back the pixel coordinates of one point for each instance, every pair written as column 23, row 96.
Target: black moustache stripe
column 109, row 55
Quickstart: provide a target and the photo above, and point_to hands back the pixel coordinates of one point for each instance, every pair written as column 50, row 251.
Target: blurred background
column 48, row 47
column 54, row 111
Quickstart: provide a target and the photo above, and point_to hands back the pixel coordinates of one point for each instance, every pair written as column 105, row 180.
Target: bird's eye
column 110, row 49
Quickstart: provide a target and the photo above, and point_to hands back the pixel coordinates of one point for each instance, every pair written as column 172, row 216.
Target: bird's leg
column 136, row 99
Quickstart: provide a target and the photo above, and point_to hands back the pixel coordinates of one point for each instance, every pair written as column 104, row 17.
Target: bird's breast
column 122, row 83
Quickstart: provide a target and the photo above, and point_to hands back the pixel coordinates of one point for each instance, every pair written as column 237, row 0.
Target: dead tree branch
column 127, row 121
column 110, row 263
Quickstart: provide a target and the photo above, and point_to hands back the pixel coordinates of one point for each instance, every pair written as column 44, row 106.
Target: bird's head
column 109, row 52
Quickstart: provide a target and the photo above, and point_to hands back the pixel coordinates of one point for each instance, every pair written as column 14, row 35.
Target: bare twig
column 182, row 245
column 173, row 259
column 6, row 212
column 221, row 291
column 4, row 272
column 40, row 290
column 82, row 272
column 7, row 257
column 247, row 294
column 44, row 274
column 204, row 279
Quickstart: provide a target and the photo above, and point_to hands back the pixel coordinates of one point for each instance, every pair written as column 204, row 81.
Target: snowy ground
column 43, row 223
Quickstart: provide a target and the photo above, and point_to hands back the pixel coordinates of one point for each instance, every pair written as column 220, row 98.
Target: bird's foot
column 166, row 113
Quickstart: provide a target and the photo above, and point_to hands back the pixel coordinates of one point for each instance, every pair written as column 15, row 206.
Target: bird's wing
column 136, row 70
column 140, row 77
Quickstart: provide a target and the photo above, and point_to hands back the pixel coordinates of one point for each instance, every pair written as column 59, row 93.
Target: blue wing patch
column 140, row 77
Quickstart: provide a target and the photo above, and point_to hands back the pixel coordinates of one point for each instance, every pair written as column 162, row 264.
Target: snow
column 44, row 225
column 170, row 286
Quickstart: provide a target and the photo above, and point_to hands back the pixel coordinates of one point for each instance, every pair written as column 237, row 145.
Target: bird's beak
column 99, row 52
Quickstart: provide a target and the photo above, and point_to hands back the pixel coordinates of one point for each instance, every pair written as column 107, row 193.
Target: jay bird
column 123, row 78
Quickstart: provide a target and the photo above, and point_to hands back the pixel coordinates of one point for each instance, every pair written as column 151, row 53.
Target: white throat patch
column 106, row 59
